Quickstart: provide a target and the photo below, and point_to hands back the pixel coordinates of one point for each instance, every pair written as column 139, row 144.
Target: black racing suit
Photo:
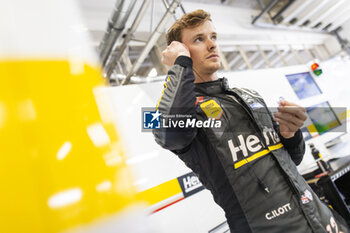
column 245, row 163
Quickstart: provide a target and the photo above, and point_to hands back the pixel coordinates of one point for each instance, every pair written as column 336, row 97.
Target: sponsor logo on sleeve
column 306, row 197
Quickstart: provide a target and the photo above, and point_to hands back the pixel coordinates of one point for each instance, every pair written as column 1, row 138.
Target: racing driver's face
column 201, row 42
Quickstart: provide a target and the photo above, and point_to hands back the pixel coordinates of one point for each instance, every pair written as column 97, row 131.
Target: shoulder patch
column 212, row 109
column 256, row 105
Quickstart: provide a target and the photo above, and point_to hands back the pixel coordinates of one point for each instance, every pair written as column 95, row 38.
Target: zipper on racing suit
column 261, row 183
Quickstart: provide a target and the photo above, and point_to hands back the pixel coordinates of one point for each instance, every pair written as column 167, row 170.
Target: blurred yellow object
column 62, row 167
column 60, row 164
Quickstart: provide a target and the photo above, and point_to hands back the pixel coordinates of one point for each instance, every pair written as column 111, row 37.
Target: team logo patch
column 306, row 197
column 212, row 109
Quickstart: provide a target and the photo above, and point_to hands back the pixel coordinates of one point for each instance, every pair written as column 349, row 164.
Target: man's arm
column 295, row 146
column 178, row 98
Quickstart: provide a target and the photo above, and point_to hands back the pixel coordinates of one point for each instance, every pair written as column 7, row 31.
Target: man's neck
column 200, row 78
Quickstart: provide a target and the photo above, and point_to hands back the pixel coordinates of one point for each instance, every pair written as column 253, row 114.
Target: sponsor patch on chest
column 212, row 109
column 250, row 147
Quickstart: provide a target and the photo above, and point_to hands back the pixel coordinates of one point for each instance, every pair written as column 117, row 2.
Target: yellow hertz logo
column 252, row 144
column 212, row 109
column 258, row 155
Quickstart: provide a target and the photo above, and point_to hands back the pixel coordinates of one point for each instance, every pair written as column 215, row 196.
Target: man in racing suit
column 247, row 160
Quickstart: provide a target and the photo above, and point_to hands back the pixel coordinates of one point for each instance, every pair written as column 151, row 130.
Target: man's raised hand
column 174, row 50
column 291, row 117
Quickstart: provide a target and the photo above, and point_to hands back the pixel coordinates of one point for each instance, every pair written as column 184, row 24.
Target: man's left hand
column 290, row 117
